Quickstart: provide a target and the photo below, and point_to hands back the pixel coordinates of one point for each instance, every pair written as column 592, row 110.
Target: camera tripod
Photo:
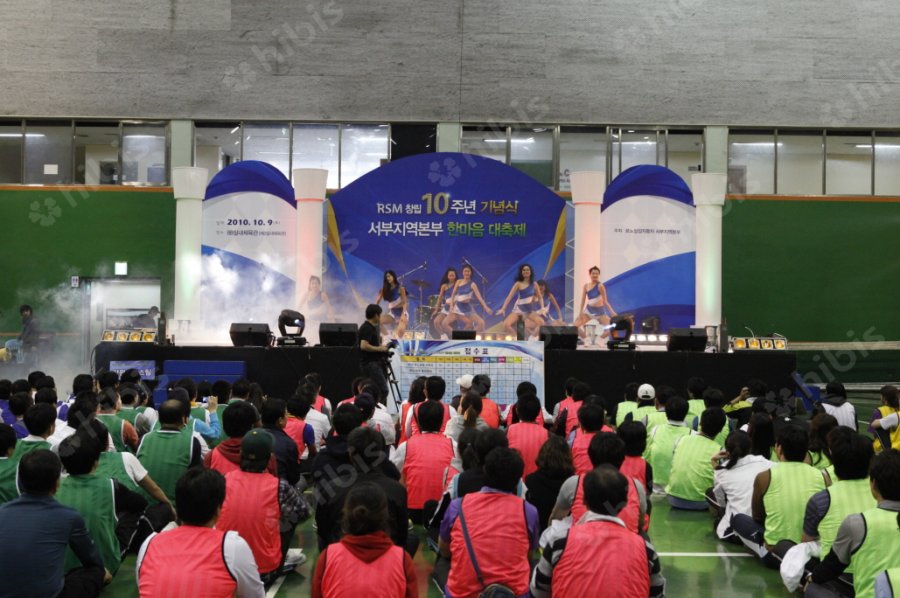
column 393, row 385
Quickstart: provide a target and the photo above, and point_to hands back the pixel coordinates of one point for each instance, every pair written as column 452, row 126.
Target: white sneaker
column 294, row 558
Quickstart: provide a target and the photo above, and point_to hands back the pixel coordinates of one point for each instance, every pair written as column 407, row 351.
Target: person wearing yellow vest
column 646, row 403
column 168, row 452
column 696, row 386
column 628, row 404
column 195, row 558
column 885, row 421
column 263, row 508
column 365, row 562
column 887, row 583
column 662, row 440
column 713, row 397
column 657, row 417
column 779, row 499
column 827, row 509
column 487, row 535
column 692, row 471
column 867, row 541
column 598, row 551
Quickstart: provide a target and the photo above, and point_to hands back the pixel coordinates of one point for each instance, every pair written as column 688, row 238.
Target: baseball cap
column 646, row 391
column 465, row 381
column 257, row 445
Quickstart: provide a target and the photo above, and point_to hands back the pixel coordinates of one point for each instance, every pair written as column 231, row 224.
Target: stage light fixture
column 753, row 343
column 148, row 337
column 651, row 338
column 121, row 336
column 620, row 329
column 767, row 344
column 135, row 336
column 759, row 343
column 781, row 344
column 108, row 336
column 641, row 338
column 663, row 338
column 289, row 318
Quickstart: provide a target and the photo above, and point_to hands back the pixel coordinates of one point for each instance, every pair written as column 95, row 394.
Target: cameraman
column 373, row 355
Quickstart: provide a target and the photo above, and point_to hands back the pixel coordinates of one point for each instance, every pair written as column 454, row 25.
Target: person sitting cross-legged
column 195, row 558
column 598, row 551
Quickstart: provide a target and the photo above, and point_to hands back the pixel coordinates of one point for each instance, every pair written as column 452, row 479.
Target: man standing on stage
column 372, row 354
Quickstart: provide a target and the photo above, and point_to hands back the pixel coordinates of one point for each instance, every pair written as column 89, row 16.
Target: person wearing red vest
column 605, row 448
column 196, row 559
column 320, row 403
column 567, row 410
column 262, row 508
column 598, row 551
column 302, row 433
column 435, row 387
column 634, row 435
column 238, row 418
column 365, row 562
column 527, row 436
column 416, row 396
column 423, row 458
column 591, row 417
column 490, row 412
column 501, row 530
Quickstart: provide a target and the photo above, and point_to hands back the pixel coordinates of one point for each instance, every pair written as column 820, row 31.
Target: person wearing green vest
column 657, row 417
column 134, row 408
column 713, row 397
column 221, row 389
column 8, row 465
column 661, row 444
column 168, row 452
column 887, row 583
column 98, row 499
column 827, row 509
column 123, row 434
column 819, row 427
column 203, row 419
column 646, row 403
column 692, row 470
column 696, row 386
column 40, row 421
column 779, row 499
column 629, row 404
column 869, row 541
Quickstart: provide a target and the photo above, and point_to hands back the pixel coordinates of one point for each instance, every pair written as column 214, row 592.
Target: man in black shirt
column 371, row 352
column 27, row 339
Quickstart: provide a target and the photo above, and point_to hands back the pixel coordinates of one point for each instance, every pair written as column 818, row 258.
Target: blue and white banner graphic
column 507, row 364
column 649, row 246
column 248, row 243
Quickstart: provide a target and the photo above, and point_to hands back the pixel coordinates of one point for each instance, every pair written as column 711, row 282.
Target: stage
column 278, row 369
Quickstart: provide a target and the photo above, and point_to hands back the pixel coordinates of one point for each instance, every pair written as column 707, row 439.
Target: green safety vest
column 880, row 550
column 695, row 407
column 93, row 497
column 130, row 415
column 8, row 468
column 692, row 471
column 112, row 465
column 660, row 449
column 624, row 408
column 791, row 486
column 847, row 497
column 116, row 427
column 819, row 460
column 640, row 413
column 24, row 447
column 166, row 455
column 654, row 419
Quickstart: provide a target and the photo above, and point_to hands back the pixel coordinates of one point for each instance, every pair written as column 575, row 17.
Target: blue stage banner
column 507, row 364
column 425, row 213
column 147, row 369
column 649, row 247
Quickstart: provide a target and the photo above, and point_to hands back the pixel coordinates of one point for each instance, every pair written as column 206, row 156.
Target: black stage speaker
column 251, row 334
column 338, row 335
column 559, row 337
column 686, row 339
column 463, row 335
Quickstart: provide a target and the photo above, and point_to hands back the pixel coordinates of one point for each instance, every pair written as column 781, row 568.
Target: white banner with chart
column 506, row 362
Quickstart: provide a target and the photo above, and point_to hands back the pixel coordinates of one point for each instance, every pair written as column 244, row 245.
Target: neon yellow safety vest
column 790, row 488
column 880, row 549
column 847, row 497
column 660, row 449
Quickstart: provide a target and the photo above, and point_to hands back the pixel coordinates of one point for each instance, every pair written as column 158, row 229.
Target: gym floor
column 693, row 560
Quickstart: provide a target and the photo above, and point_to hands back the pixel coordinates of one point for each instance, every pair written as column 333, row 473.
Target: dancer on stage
column 550, row 303
column 441, row 309
column 529, row 301
column 594, row 305
column 461, row 304
column 395, row 295
column 315, row 304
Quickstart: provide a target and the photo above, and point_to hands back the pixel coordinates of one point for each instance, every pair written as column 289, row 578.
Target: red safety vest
column 527, row 438
column 346, row 575
column 319, row 405
column 427, row 455
column 449, row 473
column 580, row 456
column 499, row 535
column 414, row 424
column 404, row 410
column 294, row 428
column 490, row 413
column 509, row 416
column 252, row 509
column 570, row 407
column 602, row 554
column 186, row 561
column 635, row 467
column 222, row 464
column 629, row 514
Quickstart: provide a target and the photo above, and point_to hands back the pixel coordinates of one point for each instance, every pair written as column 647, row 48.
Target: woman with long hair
column 554, row 462
column 762, row 435
column 819, row 427
column 416, row 395
column 594, row 304
column 315, row 305
column 394, row 294
column 550, row 304
column 468, row 416
column 461, row 303
column 736, row 468
column 441, row 309
column 529, row 302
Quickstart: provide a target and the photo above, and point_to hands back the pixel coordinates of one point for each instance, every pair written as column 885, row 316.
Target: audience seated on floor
column 736, row 468
column 634, row 435
column 692, row 470
column 662, row 441
column 170, row 451
column 591, row 420
column 527, row 436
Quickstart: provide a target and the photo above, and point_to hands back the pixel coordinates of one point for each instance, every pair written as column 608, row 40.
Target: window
column 11, row 141
column 216, row 145
column 848, row 163
column 531, row 151
column 487, row 140
column 48, row 152
column 800, row 163
column 317, row 146
column 270, row 143
column 751, row 162
column 887, row 163
column 411, row 139
column 363, row 149
column 637, row 147
column 684, row 153
column 580, row 148
column 144, row 154
column 96, row 153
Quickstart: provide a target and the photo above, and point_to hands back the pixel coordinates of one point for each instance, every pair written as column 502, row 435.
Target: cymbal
column 422, row 284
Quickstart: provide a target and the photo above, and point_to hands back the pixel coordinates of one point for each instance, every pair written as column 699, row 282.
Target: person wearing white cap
column 464, row 382
column 646, row 405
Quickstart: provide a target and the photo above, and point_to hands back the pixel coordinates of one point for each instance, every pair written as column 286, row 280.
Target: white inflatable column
column 189, row 185
column 709, row 198
column 587, row 198
column 309, row 189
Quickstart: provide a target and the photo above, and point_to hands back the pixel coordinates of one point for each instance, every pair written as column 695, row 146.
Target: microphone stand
column 422, row 266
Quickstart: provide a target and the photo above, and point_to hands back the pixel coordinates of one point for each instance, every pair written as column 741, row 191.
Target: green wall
column 51, row 235
column 812, row 270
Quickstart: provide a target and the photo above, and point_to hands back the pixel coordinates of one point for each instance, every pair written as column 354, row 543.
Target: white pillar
column 587, row 198
column 189, row 185
column 309, row 189
column 709, row 197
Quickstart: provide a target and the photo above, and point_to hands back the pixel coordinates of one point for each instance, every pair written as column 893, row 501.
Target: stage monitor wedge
column 687, row 339
column 337, row 335
column 462, row 335
column 250, row 334
column 559, row 337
